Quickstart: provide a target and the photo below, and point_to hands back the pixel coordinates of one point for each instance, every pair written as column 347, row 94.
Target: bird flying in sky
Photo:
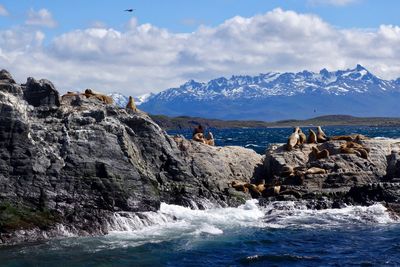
column 129, row 10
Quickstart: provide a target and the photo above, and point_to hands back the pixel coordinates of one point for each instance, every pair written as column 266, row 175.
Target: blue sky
column 89, row 43
column 186, row 15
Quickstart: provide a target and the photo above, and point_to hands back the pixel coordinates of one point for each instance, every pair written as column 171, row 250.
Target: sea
column 279, row 234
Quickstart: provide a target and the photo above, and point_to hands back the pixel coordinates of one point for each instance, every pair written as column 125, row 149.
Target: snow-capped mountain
column 273, row 96
column 121, row 100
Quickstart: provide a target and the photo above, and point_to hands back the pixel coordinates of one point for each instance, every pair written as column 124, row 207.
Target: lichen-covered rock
column 77, row 162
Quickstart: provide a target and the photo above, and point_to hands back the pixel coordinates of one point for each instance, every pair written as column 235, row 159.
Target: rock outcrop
column 346, row 178
column 73, row 163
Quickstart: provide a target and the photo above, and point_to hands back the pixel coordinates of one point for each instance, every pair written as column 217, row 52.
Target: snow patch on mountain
column 341, row 82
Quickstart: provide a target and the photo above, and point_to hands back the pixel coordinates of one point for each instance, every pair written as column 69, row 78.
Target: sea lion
column 302, row 137
column 198, row 129
column 277, row 189
column 293, row 139
column 357, row 146
column 210, row 139
column 363, row 153
column 272, row 191
column 199, row 137
column 321, row 136
column 261, row 187
column 240, row 186
column 253, row 189
column 131, row 104
column 69, row 93
column 89, row 93
column 286, row 171
column 352, row 137
column 320, row 154
column 316, row 170
column 312, row 137
column 348, row 150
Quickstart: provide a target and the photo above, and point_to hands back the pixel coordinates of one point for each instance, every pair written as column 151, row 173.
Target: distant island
column 186, row 122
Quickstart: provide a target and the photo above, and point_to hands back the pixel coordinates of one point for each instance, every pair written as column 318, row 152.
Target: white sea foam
column 172, row 221
column 386, row 138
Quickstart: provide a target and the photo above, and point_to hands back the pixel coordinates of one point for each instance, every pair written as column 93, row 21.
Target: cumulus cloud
column 332, row 2
column 3, row 11
column 43, row 18
column 144, row 58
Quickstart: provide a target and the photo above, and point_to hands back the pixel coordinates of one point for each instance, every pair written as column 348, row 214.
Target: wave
column 252, row 145
column 172, row 221
column 386, row 138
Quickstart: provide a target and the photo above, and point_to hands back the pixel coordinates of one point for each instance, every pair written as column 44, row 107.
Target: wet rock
column 82, row 160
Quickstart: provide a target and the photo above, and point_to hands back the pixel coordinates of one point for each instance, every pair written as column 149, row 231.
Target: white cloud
column 146, row 58
column 43, row 18
column 332, row 2
column 3, row 11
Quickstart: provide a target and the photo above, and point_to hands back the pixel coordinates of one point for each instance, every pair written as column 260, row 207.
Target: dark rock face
column 39, row 93
column 77, row 162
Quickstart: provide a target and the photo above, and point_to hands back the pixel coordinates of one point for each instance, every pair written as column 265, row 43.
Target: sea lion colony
column 297, row 140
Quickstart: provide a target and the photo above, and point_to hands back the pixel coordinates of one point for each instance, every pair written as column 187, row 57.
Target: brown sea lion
column 240, row 186
column 320, row 154
column 261, row 187
column 287, row 171
column 293, row 139
column 198, row 129
column 199, row 137
column 302, row 137
column 272, row 191
column 89, row 93
column 312, row 137
column 253, row 189
column 352, row 137
column 348, row 150
column 316, row 170
column 131, row 104
column 363, row 152
column 357, row 146
column 321, row 136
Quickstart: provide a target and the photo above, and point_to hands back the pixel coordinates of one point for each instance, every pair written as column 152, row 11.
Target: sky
column 163, row 43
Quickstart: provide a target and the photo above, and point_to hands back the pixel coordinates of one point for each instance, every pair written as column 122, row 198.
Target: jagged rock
column 5, row 76
column 7, row 84
column 41, row 93
column 80, row 163
column 343, row 170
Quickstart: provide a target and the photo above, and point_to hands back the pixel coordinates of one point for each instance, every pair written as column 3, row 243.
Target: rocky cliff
column 71, row 162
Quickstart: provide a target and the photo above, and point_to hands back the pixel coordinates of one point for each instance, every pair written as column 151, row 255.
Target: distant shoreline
column 186, row 122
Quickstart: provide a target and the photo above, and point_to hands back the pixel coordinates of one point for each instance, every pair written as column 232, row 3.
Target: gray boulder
column 41, row 93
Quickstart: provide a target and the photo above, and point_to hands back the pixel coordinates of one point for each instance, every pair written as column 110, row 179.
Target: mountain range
column 277, row 96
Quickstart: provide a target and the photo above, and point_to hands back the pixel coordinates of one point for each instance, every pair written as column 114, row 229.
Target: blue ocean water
column 281, row 234
column 260, row 138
